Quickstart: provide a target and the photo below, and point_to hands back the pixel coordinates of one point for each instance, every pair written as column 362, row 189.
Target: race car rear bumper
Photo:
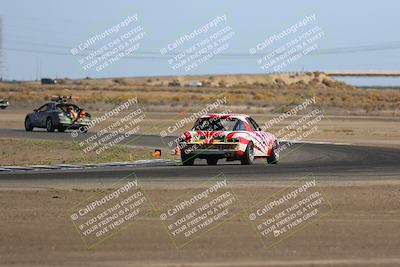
column 69, row 124
column 219, row 149
column 73, row 126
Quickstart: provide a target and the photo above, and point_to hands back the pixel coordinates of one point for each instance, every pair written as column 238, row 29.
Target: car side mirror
column 35, row 110
column 259, row 129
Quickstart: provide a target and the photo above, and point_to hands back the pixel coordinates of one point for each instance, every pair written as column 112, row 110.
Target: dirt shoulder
column 361, row 229
column 22, row 152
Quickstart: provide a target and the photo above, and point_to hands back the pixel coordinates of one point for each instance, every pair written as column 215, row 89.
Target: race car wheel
column 186, row 159
column 83, row 129
column 212, row 161
column 248, row 157
column 28, row 126
column 274, row 156
column 49, row 125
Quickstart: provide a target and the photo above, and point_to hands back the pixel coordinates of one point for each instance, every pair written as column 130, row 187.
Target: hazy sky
column 38, row 35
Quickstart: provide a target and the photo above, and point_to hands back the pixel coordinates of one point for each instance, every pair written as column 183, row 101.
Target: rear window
column 219, row 124
column 66, row 107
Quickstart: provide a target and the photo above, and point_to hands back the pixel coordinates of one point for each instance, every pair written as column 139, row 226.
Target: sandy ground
column 362, row 229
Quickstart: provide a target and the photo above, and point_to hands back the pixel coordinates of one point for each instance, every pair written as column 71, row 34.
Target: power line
column 156, row 55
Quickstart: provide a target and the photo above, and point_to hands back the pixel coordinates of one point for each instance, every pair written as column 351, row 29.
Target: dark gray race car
column 58, row 115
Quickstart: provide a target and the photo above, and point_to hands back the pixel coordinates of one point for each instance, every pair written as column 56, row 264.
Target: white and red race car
column 231, row 136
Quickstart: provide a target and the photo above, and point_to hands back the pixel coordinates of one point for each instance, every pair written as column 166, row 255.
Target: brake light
column 187, row 136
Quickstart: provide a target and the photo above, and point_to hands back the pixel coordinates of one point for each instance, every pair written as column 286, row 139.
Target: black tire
column 274, row 156
column 212, row 161
column 186, row 159
column 49, row 125
column 248, row 157
column 61, row 129
column 28, row 125
column 83, row 129
column 3, row 107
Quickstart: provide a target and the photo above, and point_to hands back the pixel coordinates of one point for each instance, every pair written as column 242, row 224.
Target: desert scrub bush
column 257, row 85
column 222, row 84
column 315, row 83
column 119, row 81
column 175, row 98
column 205, row 84
column 335, row 84
column 298, row 85
column 242, row 84
column 317, row 74
column 258, row 96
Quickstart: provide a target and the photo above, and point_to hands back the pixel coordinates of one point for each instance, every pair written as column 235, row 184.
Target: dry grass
column 255, row 93
column 18, row 152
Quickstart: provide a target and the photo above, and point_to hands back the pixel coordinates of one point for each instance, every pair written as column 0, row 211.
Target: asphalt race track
column 325, row 161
